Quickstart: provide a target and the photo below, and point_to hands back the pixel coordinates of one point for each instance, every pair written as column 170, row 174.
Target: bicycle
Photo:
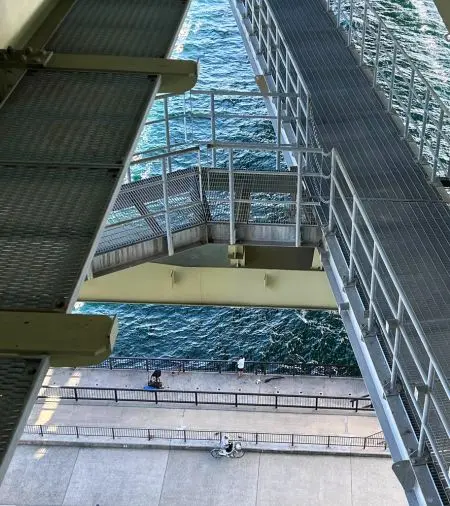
column 236, row 452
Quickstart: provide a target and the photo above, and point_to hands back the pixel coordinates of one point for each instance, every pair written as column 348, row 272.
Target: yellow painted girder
column 216, row 286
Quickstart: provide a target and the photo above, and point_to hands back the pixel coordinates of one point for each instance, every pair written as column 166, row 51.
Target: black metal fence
column 206, row 435
column 186, row 365
column 198, row 398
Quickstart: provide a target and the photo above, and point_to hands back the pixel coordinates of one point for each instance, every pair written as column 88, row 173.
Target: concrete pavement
column 224, row 419
column 131, row 378
column 71, row 476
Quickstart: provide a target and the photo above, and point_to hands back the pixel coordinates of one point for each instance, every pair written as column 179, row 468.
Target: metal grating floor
column 50, row 216
column 121, row 28
column 65, row 138
column 20, row 379
column 406, row 212
column 73, row 117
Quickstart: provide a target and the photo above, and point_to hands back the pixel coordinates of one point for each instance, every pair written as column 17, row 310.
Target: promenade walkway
column 73, row 476
column 220, row 418
column 70, row 471
column 304, row 385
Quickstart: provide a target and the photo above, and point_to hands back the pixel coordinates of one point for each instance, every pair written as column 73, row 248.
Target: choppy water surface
column 210, row 35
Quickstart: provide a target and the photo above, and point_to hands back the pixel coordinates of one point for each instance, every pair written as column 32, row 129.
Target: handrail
column 358, row 34
column 204, row 435
column 223, row 366
column 392, row 275
column 202, row 397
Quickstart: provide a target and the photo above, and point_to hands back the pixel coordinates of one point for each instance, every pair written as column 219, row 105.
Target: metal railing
column 206, row 435
column 201, row 117
column 188, row 197
column 390, row 316
column 224, row 366
column 425, row 117
column 198, row 398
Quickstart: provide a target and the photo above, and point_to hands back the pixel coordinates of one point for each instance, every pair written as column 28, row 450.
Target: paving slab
column 305, row 480
column 116, row 477
column 199, row 480
column 38, row 475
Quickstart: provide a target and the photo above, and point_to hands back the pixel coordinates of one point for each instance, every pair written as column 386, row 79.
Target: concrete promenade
column 71, row 476
column 210, row 381
column 220, row 418
column 100, row 471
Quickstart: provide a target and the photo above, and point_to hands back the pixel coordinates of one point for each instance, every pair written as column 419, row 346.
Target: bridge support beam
column 217, row 286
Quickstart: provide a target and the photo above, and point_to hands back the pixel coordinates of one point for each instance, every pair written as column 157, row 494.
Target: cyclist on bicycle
column 226, row 444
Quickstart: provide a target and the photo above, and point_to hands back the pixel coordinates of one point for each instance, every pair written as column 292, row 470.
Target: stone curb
column 206, row 445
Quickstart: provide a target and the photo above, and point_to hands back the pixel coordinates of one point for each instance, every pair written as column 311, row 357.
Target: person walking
column 240, row 366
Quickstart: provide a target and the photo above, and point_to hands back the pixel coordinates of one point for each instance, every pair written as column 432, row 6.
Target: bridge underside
column 214, row 274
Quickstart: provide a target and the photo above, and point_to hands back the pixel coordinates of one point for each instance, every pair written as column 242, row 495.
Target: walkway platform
column 209, row 381
column 120, row 477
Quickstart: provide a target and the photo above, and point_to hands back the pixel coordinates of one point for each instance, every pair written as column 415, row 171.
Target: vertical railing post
column 307, row 127
column 298, row 203
column 373, row 281
column 332, row 191
column 166, row 208
column 426, row 410
column 338, row 15
column 260, row 31
column 399, row 320
column 184, row 118
column 350, row 24
column 213, row 129
column 268, row 46
column 200, row 176
column 410, row 97
column 424, row 123
column 277, row 60
column 278, row 156
column 391, row 88
column 253, row 18
column 167, row 127
column 231, row 190
column 438, row 145
column 75, row 392
column 377, row 56
column 363, row 35
column 351, row 266
column 41, row 431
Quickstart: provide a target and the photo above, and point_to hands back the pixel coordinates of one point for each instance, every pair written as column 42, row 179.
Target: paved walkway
column 306, row 385
column 71, row 476
column 223, row 418
column 226, row 419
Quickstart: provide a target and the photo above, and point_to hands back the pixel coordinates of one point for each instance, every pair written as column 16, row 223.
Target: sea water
column 210, row 35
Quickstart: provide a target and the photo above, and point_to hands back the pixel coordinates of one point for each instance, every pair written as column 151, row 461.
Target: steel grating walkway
column 405, row 212
column 410, row 219
column 65, row 141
